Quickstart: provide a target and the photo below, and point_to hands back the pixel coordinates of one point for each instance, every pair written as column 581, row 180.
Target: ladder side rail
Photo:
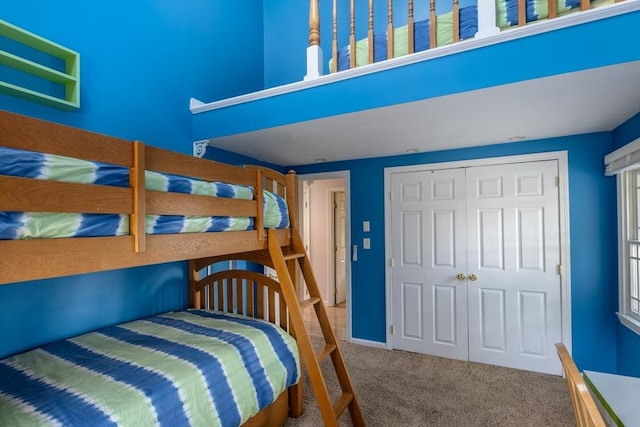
column 302, row 337
column 336, row 355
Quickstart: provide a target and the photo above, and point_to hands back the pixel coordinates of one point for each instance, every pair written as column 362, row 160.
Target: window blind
column 624, row 158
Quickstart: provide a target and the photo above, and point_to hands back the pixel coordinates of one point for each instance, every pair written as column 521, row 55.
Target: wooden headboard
column 22, row 260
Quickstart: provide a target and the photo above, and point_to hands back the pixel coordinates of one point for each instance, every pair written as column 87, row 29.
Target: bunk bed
column 73, row 201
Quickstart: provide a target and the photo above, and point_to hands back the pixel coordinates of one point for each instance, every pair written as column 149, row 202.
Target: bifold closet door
column 429, row 302
column 474, row 270
column 513, row 252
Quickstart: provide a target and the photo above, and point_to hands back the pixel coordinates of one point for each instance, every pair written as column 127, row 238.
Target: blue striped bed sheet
column 32, row 225
column 186, row 368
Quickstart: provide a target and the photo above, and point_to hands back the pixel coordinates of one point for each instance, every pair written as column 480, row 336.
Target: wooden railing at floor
column 486, row 26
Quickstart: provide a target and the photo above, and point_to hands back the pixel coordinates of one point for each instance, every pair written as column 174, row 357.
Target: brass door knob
column 461, row 277
column 473, row 277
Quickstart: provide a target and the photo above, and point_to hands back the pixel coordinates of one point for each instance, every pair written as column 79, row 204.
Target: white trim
column 622, row 187
column 487, row 19
column 531, row 29
column 623, row 158
column 565, row 250
column 629, row 322
column 367, row 343
column 314, row 62
column 200, row 148
column 346, row 176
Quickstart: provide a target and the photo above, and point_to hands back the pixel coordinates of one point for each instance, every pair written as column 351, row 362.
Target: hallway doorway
column 326, row 235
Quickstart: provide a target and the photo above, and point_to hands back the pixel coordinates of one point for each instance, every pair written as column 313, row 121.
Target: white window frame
column 624, row 163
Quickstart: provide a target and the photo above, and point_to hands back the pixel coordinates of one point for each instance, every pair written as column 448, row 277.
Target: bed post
column 259, row 197
column 137, row 183
column 194, row 296
column 292, row 198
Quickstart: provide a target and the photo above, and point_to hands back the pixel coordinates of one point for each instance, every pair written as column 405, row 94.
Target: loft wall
column 533, row 57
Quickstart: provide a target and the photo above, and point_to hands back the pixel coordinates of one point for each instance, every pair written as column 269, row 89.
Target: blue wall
column 592, row 237
column 137, row 78
column 141, row 61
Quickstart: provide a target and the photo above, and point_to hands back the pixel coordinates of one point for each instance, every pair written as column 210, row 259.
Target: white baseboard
column 368, row 343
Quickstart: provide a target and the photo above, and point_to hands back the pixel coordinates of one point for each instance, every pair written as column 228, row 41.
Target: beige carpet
column 397, row 388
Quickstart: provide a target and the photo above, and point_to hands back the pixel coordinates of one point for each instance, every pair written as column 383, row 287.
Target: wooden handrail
column 352, row 36
column 456, row 21
column 370, row 37
column 390, row 52
column 334, row 43
column 432, row 24
column 314, row 23
column 411, row 46
column 522, row 12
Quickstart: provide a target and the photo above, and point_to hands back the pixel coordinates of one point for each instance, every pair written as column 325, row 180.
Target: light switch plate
column 366, row 243
column 365, row 226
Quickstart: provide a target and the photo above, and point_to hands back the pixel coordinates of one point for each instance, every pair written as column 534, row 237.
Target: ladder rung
column 325, row 351
column 288, row 257
column 309, row 302
column 341, row 404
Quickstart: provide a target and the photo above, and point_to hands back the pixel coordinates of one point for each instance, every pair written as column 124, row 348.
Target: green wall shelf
column 69, row 78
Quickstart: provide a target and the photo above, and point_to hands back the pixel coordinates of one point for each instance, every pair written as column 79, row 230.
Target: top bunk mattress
column 36, row 225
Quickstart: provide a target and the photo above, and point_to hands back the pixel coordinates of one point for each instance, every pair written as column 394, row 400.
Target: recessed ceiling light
column 412, row 150
column 321, row 159
column 517, row 138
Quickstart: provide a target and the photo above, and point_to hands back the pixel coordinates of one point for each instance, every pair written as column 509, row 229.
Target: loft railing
column 484, row 19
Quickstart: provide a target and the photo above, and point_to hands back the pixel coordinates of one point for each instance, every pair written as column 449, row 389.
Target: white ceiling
column 588, row 101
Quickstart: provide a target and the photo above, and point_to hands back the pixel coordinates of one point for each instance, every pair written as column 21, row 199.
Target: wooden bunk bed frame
column 281, row 249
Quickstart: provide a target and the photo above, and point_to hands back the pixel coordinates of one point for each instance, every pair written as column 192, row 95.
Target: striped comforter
column 184, row 368
column 35, row 225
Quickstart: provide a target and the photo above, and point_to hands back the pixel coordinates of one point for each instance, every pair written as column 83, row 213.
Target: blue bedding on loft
column 422, row 37
column 33, row 225
column 506, row 16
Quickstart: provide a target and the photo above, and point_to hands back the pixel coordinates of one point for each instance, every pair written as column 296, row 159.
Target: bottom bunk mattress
column 193, row 367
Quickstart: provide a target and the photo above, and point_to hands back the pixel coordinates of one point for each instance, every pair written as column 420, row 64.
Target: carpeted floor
column 399, row 388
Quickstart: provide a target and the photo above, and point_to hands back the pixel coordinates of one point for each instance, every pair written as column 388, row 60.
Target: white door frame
column 345, row 176
column 565, row 250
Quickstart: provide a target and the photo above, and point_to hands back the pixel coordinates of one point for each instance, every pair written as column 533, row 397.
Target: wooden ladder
column 330, row 411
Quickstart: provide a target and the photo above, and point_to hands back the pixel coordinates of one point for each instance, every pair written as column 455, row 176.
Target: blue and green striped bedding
column 184, row 368
column 32, row 225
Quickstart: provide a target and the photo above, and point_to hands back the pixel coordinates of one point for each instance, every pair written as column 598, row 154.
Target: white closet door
column 475, row 255
column 429, row 303
column 513, row 249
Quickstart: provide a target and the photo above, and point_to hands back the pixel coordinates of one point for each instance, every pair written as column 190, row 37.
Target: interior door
column 339, row 249
column 475, row 255
column 429, row 303
column 513, row 246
